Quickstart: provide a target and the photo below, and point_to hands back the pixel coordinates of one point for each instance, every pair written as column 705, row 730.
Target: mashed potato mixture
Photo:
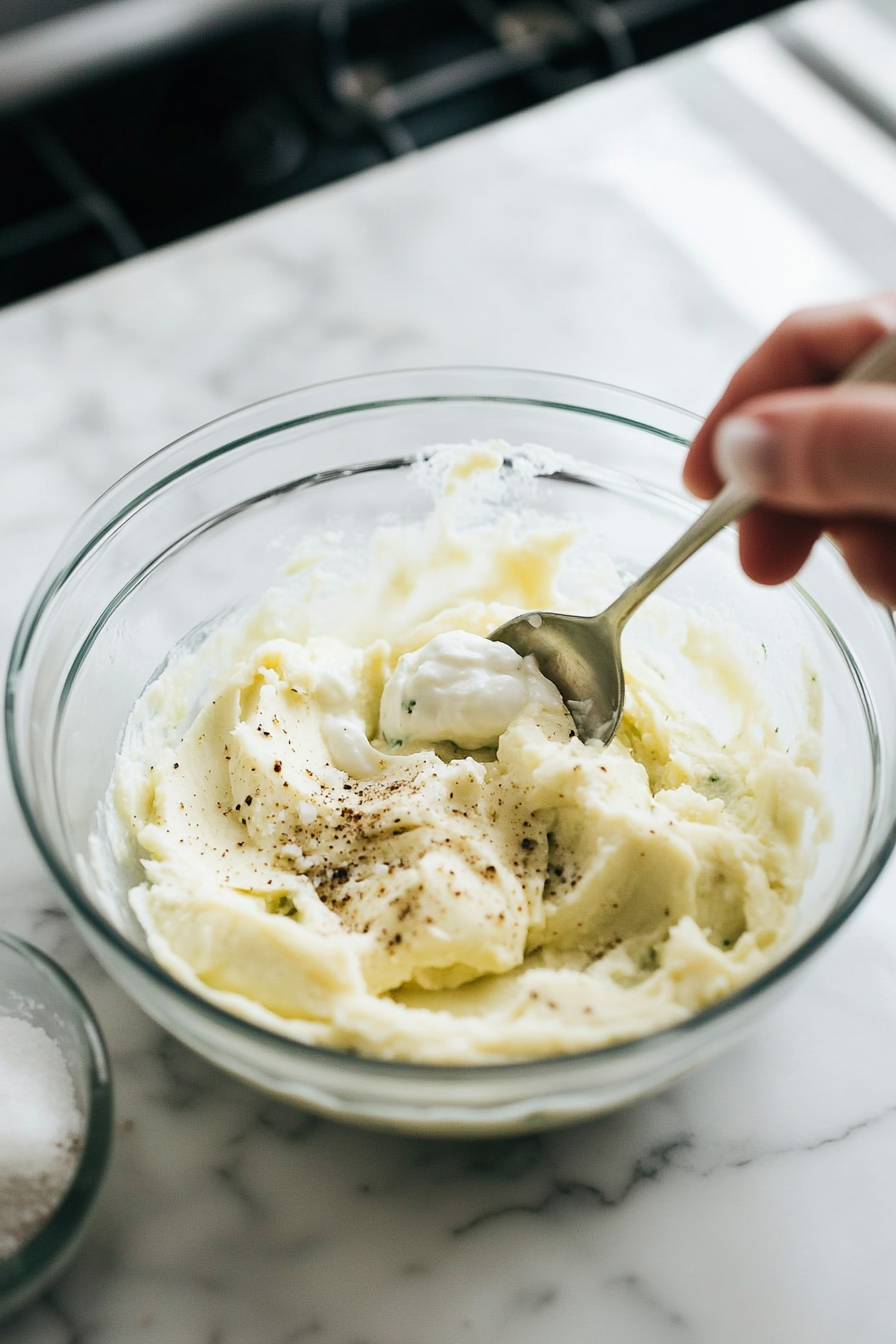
column 365, row 826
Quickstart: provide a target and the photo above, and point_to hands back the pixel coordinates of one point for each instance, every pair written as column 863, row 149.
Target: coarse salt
column 41, row 1131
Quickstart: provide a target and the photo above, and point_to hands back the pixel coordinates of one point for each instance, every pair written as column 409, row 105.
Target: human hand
column 820, row 458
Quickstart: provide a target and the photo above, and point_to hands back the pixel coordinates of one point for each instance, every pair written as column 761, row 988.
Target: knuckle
column 883, row 308
column 820, row 314
column 796, row 322
column 869, row 318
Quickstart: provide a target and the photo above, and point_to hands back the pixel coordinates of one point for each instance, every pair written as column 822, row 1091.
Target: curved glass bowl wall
column 205, row 527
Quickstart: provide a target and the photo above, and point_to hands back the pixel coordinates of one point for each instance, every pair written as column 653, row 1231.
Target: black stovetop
column 293, row 100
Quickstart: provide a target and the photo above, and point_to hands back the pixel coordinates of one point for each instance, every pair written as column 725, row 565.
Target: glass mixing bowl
column 205, row 527
column 36, row 990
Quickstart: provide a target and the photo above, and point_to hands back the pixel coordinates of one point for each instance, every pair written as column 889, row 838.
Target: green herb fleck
column 280, row 903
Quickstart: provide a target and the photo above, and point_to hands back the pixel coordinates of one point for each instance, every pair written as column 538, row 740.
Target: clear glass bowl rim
column 109, row 512
column 49, row 1246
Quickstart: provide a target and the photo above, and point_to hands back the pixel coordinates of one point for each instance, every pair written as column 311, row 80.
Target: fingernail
column 744, row 451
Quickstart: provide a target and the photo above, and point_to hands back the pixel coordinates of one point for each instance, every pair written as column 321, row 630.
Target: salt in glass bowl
column 204, row 527
column 35, row 989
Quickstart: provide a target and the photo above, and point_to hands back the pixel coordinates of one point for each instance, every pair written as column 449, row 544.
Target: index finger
column 809, row 348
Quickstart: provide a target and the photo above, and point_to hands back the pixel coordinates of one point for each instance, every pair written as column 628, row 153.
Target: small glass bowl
column 206, row 526
column 35, row 989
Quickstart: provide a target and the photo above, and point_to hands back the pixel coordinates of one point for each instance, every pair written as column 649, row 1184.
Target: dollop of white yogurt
column 460, row 688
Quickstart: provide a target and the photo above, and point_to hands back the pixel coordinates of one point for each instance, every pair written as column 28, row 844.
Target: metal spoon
column 581, row 654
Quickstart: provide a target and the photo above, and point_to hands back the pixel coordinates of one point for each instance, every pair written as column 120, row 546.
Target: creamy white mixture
column 379, row 832
column 460, row 688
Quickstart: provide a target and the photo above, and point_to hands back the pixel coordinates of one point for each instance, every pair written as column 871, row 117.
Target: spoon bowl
column 582, row 655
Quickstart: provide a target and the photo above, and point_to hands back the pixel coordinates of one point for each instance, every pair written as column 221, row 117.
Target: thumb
column 829, row 452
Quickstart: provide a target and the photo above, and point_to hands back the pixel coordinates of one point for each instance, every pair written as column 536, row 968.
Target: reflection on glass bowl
column 204, row 528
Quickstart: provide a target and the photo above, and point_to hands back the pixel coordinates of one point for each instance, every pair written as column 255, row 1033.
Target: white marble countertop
column 644, row 231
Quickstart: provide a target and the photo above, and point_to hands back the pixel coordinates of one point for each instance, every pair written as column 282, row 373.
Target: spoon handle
column 876, row 365
column 731, row 501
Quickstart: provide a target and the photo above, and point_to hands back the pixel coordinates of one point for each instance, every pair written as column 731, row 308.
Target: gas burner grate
column 292, row 101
